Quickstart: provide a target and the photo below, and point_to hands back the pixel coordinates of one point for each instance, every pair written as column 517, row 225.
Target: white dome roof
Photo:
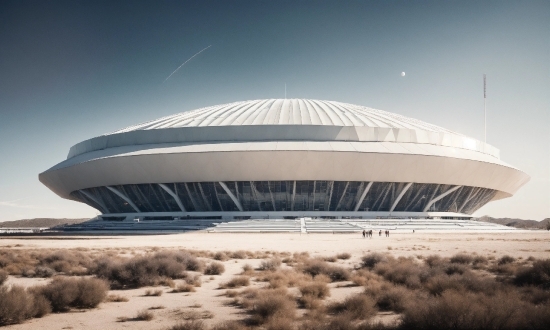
column 286, row 112
column 297, row 120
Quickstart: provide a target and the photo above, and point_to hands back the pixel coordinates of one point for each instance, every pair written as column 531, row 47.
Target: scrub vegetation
column 288, row 291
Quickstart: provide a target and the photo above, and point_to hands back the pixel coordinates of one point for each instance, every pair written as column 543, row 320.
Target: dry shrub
column 3, row 276
column 17, row 305
column 280, row 323
column 226, row 325
column 318, row 290
column 434, row 261
column 238, row 254
column 190, row 325
column 283, row 278
column 506, row 260
column 316, row 267
column 184, row 287
column 358, row 306
column 231, row 293
column 270, row 306
column 455, row 268
column 116, row 298
column 220, row 256
column 401, row 271
column 330, row 259
column 247, row 270
column 167, row 282
column 270, row 264
column 214, row 268
column 310, row 302
column 146, row 270
column 64, row 293
column 194, row 280
column 372, row 259
column 462, row 258
column 144, row 315
column 343, row 256
column 363, row 277
column 453, row 310
column 479, row 262
column 538, row 274
column 236, row 282
column 535, row 295
column 342, row 322
column 390, row 297
column 43, row 271
column 153, row 293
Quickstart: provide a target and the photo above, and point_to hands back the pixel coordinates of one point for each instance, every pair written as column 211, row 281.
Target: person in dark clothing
column 363, row 233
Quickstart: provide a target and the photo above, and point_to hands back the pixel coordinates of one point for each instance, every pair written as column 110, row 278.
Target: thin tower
column 485, row 106
column 285, row 91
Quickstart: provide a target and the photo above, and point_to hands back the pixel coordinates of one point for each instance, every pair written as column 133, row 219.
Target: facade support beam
column 193, row 201
column 293, row 195
column 96, row 200
column 342, row 197
column 400, row 196
column 430, row 203
column 233, row 198
column 363, row 195
column 173, row 194
column 124, row 197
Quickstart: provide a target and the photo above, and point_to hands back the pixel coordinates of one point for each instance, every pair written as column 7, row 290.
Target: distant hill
column 517, row 223
column 39, row 222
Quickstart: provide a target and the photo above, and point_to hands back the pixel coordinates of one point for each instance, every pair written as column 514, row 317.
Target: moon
column 403, row 74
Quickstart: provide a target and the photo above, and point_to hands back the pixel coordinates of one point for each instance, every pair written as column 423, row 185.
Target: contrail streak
column 185, row 62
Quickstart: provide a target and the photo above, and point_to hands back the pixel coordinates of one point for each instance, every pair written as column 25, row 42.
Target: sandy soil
column 517, row 243
column 208, row 299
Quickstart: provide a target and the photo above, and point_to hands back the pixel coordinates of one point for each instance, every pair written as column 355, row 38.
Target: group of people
column 368, row 233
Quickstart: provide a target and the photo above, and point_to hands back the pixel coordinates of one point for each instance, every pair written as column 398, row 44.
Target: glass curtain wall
column 269, row 196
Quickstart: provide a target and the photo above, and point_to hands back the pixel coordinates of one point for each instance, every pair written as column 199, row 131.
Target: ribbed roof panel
column 286, row 112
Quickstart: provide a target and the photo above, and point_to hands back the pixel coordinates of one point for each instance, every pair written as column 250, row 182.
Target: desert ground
column 211, row 304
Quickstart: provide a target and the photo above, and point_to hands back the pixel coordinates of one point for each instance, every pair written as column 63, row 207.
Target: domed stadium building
column 283, row 159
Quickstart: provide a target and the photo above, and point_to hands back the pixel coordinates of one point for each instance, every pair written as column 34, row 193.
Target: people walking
column 363, row 233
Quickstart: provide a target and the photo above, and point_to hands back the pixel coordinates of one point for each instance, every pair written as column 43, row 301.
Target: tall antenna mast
column 485, row 105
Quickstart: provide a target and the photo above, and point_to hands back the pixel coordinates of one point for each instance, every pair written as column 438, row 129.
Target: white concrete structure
column 283, row 158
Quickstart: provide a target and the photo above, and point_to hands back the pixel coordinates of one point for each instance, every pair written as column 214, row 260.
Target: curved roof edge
column 298, row 133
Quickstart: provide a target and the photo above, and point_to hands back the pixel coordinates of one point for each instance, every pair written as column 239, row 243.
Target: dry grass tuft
column 153, row 293
column 144, row 315
column 236, row 282
column 116, row 298
column 156, row 307
column 189, row 325
column 343, row 256
column 184, row 287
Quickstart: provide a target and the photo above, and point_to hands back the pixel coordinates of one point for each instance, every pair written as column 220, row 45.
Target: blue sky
column 72, row 70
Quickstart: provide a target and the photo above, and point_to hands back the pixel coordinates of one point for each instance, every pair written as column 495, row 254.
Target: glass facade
column 271, row 196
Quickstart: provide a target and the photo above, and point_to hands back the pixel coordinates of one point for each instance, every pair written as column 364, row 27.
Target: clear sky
column 72, row 70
